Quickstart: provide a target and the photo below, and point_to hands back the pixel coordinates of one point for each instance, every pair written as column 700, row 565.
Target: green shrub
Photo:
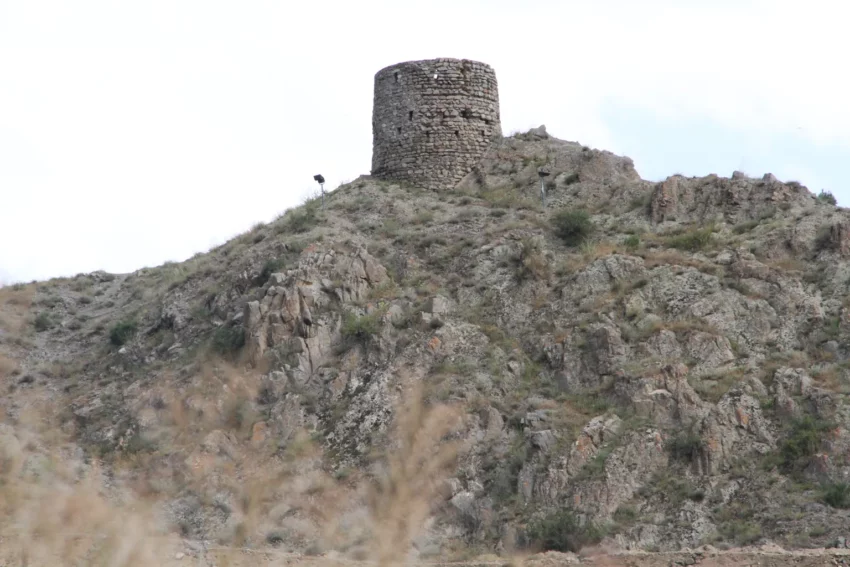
column 745, row 226
column 686, row 446
column 572, row 226
column 562, row 531
column 823, row 238
column 571, row 178
column 625, row 515
column 692, row 240
column 227, row 339
column 803, row 441
column 632, row 242
column 836, row 494
column 360, row 329
column 269, row 268
column 43, row 321
column 827, row 197
column 503, row 473
column 122, row 332
column 741, row 532
column 530, row 261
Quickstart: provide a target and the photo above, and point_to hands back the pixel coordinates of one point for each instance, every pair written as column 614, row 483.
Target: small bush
column 803, row 441
column 360, row 330
column 572, row 226
column 530, row 261
column 632, row 242
column 836, row 494
column 269, row 268
column 300, row 220
column 693, row 240
column 625, row 515
column 562, row 531
column 122, row 332
column 686, row 446
column 741, row 532
column 571, row 178
column 823, row 238
column 43, row 322
column 827, row 197
column 745, row 226
column 227, row 340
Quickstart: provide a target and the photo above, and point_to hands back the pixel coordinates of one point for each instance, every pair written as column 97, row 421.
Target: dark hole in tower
column 399, row 129
column 429, row 135
column 410, row 116
column 457, row 134
column 396, row 77
column 466, row 113
column 483, row 134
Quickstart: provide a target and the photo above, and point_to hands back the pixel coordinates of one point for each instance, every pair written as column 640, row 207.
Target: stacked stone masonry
column 433, row 120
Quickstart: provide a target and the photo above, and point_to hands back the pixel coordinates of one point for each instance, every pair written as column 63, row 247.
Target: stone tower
column 433, row 120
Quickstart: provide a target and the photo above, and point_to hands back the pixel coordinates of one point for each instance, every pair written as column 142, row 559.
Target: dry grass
column 55, row 510
column 590, row 252
column 419, row 460
column 15, row 303
column 208, row 441
column 788, row 265
column 656, row 258
column 8, row 367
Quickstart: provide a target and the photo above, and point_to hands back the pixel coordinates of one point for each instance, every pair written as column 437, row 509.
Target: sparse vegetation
column 360, row 329
column 827, row 197
column 686, row 446
column 227, row 339
column 572, row 226
column 43, row 322
column 270, row 267
column 836, row 494
column 530, row 261
column 692, row 240
column 803, row 440
column 122, row 332
column 562, row 530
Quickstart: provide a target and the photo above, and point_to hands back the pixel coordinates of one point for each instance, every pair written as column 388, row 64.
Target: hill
column 642, row 366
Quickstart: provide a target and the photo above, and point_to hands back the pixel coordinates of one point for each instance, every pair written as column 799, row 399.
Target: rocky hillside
column 643, row 365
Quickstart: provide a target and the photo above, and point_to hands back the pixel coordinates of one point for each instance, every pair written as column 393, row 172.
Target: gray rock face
column 290, row 319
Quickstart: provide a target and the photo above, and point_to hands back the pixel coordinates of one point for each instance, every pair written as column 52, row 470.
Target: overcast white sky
column 133, row 133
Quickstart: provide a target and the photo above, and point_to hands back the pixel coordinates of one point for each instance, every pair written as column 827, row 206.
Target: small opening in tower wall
column 396, row 77
column 410, row 116
column 398, row 129
column 466, row 113
column 457, row 133
column 483, row 134
column 428, row 134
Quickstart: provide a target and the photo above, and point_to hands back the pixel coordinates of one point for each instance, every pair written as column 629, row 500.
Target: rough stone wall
column 433, row 120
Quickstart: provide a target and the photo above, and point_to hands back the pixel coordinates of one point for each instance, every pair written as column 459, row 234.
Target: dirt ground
column 761, row 557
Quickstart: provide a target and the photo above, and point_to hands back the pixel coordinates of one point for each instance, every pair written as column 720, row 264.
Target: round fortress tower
column 433, row 120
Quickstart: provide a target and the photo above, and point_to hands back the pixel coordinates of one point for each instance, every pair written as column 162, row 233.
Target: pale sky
column 134, row 133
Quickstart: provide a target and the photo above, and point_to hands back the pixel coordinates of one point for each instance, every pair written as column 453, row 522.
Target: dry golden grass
column 419, row 460
column 205, row 440
column 54, row 510
column 15, row 303
column 655, row 258
column 8, row 367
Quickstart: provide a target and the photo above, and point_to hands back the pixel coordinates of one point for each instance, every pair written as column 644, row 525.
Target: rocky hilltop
column 640, row 365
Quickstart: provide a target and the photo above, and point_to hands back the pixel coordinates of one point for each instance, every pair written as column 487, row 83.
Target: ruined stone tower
column 433, row 120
